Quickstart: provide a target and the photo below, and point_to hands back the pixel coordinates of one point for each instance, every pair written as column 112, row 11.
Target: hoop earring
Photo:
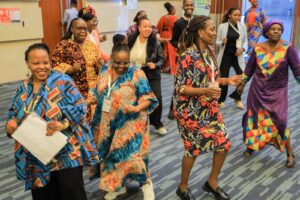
column 28, row 74
column 72, row 37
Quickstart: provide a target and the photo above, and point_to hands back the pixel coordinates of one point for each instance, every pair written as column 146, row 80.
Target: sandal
column 248, row 152
column 291, row 160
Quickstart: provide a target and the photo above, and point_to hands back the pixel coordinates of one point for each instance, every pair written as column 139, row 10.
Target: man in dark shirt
column 188, row 7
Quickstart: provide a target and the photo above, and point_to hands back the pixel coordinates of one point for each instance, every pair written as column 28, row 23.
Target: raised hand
column 151, row 65
column 76, row 67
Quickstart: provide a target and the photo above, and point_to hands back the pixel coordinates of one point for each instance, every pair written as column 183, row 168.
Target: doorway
column 276, row 9
column 52, row 26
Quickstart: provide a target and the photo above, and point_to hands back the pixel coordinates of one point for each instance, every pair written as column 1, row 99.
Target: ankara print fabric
column 67, row 53
column 123, row 139
column 265, row 121
column 254, row 19
column 57, row 99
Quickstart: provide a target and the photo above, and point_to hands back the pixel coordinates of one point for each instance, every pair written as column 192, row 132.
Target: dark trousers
column 171, row 105
column 155, row 116
column 229, row 60
column 66, row 184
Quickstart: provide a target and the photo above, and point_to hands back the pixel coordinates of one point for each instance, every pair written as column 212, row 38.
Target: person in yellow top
column 79, row 58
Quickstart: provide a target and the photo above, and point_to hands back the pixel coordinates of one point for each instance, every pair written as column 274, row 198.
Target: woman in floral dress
column 196, row 105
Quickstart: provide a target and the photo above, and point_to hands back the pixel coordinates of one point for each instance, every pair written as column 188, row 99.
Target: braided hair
column 190, row 36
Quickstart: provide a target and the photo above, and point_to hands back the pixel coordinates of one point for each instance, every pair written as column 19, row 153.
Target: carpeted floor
column 260, row 177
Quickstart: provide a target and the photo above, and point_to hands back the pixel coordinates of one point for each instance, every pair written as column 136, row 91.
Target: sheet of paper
column 32, row 135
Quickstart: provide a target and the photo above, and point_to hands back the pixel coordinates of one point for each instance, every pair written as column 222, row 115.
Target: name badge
column 139, row 63
column 238, row 43
column 106, row 105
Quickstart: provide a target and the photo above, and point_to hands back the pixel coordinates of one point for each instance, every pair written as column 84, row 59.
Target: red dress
column 165, row 28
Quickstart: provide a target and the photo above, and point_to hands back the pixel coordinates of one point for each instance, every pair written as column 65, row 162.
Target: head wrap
column 251, row 1
column 89, row 9
column 268, row 24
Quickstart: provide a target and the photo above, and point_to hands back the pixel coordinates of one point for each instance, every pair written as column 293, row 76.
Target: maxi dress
column 123, row 139
column 265, row 121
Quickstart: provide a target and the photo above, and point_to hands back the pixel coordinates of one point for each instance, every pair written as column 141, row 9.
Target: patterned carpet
column 260, row 177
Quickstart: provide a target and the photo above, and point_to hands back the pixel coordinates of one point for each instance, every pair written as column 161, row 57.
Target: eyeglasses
column 121, row 63
column 81, row 28
column 95, row 21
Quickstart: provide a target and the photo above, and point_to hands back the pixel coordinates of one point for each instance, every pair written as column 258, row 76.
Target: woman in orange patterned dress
column 79, row 58
column 165, row 29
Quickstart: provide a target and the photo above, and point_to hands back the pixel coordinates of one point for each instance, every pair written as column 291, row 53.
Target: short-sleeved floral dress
column 200, row 123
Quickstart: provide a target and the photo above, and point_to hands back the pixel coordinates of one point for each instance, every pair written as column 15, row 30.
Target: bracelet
column 66, row 123
column 182, row 88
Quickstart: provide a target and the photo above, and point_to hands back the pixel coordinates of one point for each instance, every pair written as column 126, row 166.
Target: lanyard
column 234, row 28
column 211, row 64
column 140, row 49
column 32, row 104
column 110, row 87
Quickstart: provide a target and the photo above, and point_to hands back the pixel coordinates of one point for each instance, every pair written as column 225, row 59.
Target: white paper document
column 32, row 135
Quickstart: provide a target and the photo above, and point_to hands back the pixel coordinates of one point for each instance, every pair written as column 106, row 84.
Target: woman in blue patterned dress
column 54, row 97
column 196, row 105
column 121, row 125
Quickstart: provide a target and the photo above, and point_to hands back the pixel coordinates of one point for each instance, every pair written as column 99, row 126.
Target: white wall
column 114, row 18
column 15, row 38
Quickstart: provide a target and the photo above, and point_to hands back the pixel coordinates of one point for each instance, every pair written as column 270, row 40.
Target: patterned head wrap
column 89, row 9
column 268, row 24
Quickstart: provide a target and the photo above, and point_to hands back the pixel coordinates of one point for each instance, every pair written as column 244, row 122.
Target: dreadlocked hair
column 190, row 36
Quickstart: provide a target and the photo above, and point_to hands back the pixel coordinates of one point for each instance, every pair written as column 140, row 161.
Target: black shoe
column 185, row 195
column 171, row 115
column 248, row 152
column 219, row 193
